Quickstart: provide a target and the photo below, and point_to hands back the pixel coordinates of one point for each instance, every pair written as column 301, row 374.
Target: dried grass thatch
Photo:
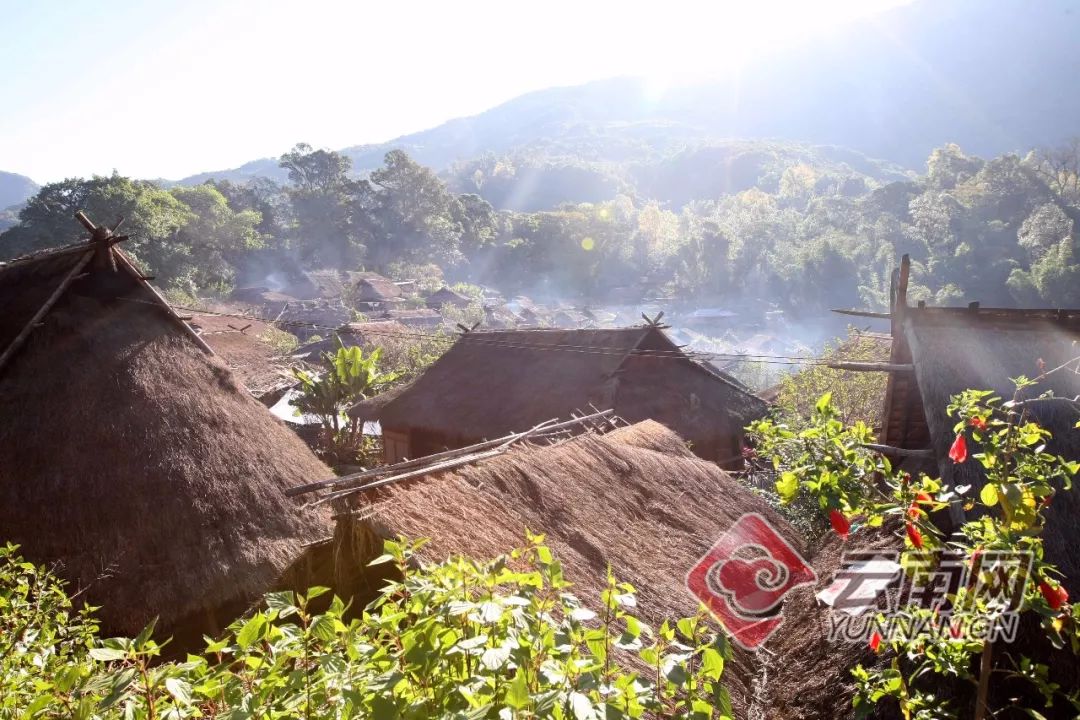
column 491, row 383
column 635, row 500
column 138, row 464
column 370, row 287
column 245, row 347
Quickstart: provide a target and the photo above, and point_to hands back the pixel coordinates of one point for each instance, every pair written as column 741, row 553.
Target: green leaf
column 712, row 664
column 107, row 654
column 787, row 486
column 581, row 705
column 517, row 692
column 250, row 632
column 989, row 495
column 180, row 690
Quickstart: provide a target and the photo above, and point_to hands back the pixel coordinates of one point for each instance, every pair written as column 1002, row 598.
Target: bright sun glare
column 232, row 80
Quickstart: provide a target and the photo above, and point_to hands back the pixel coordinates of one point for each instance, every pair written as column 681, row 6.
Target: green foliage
column 462, row 639
column 825, row 460
column 281, row 341
column 351, row 376
column 855, row 395
column 806, row 228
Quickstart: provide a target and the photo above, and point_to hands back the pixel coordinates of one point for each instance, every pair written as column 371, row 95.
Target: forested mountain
column 589, row 192
column 15, row 189
column 989, row 76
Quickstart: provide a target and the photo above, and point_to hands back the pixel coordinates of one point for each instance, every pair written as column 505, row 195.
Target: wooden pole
column 863, row 313
column 926, row 453
column 134, row 272
column 428, row 463
column 75, row 272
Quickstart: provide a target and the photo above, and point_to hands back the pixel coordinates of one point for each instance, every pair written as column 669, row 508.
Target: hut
column 308, row 318
column 446, row 296
column 413, row 317
column 494, row 382
column 373, row 289
column 633, row 500
column 244, row 346
column 940, row 352
column 131, row 458
column 262, row 300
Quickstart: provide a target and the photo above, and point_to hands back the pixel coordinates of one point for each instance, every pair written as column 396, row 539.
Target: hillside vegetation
column 788, row 226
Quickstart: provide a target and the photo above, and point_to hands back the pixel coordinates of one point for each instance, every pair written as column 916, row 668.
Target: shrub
column 461, row 639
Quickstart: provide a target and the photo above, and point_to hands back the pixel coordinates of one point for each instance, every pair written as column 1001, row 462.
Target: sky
column 166, row 89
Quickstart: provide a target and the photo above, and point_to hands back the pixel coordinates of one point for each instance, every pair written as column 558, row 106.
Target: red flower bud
column 913, row 510
column 1055, row 596
column 978, row 423
column 958, row 451
column 914, row 535
column 922, row 497
column 875, row 642
column 839, row 523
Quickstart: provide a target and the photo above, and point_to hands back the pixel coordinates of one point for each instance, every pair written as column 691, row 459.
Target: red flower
column 955, row 629
column 975, row 555
column 839, row 523
column 1055, row 596
column 978, row 423
column 875, row 642
column 958, row 451
column 922, row 497
column 914, row 535
column 913, row 510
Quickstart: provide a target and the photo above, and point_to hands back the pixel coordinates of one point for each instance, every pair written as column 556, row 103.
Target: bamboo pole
column 927, row 453
column 132, row 270
column 75, row 272
column 863, row 313
column 434, row 459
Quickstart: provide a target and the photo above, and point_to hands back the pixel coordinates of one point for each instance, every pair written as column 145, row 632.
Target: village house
column 446, row 296
column 494, row 382
column 135, row 462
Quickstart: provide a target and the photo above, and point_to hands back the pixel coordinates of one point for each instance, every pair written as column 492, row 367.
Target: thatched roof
column 131, row 456
column 446, row 296
column 370, row 409
column 634, row 500
column 371, row 287
column 313, row 317
column 416, row 317
column 243, row 345
column 386, row 334
column 494, row 382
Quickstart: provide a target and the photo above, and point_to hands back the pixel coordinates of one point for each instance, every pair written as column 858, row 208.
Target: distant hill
column 15, row 189
column 991, row 75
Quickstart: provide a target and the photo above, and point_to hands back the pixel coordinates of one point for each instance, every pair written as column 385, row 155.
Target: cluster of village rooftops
column 137, row 459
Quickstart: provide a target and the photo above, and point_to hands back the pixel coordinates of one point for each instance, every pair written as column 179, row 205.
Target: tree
column 412, row 216
column 320, row 192
column 212, row 242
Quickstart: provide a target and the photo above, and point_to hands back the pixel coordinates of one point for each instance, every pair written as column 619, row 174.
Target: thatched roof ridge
column 370, row 409
column 133, row 458
column 446, row 296
column 493, row 382
column 633, row 499
column 372, row 287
